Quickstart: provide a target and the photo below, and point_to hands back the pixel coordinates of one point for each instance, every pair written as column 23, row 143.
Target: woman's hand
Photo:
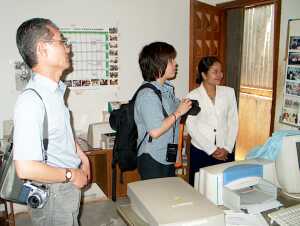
column 220, row 154
column 184, row 106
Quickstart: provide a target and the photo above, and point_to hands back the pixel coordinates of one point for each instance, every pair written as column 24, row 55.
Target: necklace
column 211, row 92
column 212, row 98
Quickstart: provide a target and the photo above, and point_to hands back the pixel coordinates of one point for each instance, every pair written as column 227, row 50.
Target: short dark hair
column 28, row 35
column 204, row 65
column 154, row 58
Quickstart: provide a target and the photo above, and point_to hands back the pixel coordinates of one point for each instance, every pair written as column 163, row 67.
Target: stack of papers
column 233, row 218
column 258, row 208
column 255, row 200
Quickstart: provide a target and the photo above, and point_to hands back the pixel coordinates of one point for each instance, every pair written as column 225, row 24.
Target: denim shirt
column 148, row 115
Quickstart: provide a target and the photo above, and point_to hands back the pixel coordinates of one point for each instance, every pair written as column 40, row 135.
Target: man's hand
column 85, row 166
column 85, row 163
column 79, row 178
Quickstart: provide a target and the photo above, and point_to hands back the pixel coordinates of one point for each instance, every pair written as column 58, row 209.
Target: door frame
column 277, row 13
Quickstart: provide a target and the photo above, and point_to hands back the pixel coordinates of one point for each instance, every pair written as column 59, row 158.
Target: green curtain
column 234, row 44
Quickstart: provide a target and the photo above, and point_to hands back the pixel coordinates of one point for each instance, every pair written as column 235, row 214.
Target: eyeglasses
column 66, row 42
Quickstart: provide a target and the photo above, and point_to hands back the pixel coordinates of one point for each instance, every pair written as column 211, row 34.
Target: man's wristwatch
column 68, row 175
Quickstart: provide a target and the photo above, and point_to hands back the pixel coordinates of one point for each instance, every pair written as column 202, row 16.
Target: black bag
column 11, row 186
column 125, row 147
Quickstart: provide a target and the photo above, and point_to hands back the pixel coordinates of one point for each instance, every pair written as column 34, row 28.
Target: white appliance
column 96, row 132
column 288, row 166
column 172, row 202
column 244, row 189
column 209, row 180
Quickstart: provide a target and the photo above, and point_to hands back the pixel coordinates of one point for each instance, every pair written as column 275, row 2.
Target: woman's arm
column 168, row 122
column 149, row 110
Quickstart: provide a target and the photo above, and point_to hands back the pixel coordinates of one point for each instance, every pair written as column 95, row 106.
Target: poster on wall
column 95, row 59
column 22, row 74
column 291, row 106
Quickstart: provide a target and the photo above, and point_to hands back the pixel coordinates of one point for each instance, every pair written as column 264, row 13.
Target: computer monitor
column 288, row 166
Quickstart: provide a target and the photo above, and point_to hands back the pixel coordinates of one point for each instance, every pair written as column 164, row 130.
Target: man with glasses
column 67, row 170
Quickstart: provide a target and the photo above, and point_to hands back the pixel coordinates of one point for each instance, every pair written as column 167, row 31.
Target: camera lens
column 34, row 201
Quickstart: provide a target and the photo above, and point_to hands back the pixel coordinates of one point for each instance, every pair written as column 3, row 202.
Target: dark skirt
column 200, row 159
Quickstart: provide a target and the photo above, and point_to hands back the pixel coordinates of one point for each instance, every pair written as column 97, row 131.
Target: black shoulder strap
column 155, row 90
column 45, row 127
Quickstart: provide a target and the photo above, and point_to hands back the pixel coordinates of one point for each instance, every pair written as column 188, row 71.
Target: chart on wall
column 95, row 57
column 291, row 106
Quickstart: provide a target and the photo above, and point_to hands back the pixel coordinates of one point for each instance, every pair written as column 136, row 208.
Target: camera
column 195, row 109
column 171, row 152
column 34, row 195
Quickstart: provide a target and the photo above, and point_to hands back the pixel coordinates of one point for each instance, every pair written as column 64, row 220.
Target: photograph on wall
column 290, row 113
column 291, row 103
column 294, row 58
column 293, row 74
column 292, row 88
column 294, row 43
column 290, row 116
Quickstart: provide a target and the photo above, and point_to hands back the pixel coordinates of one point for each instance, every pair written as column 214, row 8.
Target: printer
column 210, row 181
column 245, row 189
column 99, row 133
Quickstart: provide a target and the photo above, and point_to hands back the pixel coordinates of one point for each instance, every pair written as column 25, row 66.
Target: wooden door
column 206, row 27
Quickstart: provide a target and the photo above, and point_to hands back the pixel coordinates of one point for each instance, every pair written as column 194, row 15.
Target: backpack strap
column 156, row 91
column 45, row 127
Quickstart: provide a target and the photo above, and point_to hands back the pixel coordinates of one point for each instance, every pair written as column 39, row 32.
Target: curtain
column 257, row 61
column 234, row 40
column 255, row 98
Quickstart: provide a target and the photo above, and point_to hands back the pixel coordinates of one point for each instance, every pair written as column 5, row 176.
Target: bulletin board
column 95, row 59
column 291, row 106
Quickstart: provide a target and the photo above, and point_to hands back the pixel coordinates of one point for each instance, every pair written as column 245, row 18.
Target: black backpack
column 125, row 146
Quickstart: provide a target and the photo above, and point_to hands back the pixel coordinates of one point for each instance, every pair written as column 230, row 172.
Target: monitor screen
column 298, row 153
column 288, row 165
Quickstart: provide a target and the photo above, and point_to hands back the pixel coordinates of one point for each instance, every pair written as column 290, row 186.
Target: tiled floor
column 99, row 213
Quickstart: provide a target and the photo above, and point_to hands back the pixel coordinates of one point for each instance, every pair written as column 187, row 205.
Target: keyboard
column 289, row 216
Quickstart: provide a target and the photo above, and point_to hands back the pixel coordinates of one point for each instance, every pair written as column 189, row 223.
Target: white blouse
column 217, row 123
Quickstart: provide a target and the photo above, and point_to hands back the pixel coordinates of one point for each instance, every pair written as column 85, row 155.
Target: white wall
column 139, row 22
column 289, row 10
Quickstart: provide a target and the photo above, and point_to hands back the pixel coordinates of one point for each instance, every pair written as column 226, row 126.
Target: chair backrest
column 179, row 163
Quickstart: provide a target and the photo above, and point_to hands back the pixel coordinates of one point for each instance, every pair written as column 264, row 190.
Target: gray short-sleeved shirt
column 28, row 125
column 148, row 115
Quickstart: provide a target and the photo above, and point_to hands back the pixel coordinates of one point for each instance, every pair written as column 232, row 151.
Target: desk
column 100, row 160
column 285, row 201
column 132, row 219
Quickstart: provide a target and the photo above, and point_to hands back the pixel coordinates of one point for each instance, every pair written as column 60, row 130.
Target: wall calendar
column 95, row 57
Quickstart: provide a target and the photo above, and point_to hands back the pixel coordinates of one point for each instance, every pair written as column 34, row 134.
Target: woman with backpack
column 158, row 131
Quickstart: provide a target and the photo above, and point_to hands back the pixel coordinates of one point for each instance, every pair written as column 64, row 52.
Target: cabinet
column 100, row 161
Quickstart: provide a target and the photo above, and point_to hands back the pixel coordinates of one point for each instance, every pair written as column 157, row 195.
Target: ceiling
column 214, row 2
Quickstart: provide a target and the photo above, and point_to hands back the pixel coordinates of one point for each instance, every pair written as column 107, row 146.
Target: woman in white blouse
column 214, row 129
